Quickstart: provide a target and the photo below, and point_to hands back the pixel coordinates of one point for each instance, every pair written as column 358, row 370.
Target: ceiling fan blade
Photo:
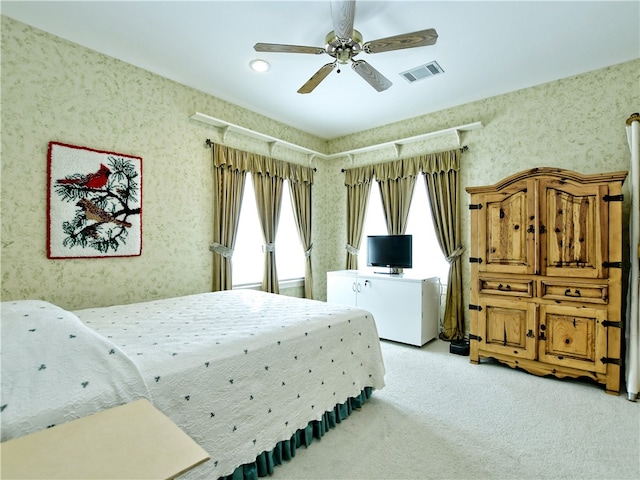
column 422, row 38
column 371, row 75
column 320, row 75
column 342, row 14
column 277, row 47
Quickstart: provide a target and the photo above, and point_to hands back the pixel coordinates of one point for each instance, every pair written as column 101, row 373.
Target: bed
column 248, row 375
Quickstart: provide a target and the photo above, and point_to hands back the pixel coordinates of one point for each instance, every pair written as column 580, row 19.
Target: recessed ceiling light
column 259, row 65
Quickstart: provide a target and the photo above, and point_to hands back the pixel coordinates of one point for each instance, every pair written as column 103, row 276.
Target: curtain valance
column 440, row 162
column 232, row 159
column 404, row 168
column 300, row 174
column 358, row 175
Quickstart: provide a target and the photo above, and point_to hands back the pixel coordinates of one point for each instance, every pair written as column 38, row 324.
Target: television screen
column 393, row 251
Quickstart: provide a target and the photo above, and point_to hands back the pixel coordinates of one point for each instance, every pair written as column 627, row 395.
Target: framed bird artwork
column 94, row 203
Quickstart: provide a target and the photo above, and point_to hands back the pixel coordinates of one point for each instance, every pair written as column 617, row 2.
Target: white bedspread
column 55, row 369
column 242, row 370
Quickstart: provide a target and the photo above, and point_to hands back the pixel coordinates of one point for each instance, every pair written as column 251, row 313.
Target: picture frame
column 94, row 203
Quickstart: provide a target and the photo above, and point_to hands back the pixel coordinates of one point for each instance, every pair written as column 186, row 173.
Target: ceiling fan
column 344, row 43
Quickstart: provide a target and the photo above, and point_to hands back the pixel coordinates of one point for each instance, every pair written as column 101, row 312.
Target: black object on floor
column 459, row 347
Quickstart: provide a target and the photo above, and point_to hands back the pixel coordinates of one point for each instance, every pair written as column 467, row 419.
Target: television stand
column 405, row 307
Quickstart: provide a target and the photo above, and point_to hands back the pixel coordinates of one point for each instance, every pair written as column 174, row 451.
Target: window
column 248, row 258
column 428, row 259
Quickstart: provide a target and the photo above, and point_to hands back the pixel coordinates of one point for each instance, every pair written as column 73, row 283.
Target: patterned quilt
column 241, row 370
column 55, row 369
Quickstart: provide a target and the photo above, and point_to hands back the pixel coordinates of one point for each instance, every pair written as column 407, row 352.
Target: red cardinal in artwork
column 92, row 180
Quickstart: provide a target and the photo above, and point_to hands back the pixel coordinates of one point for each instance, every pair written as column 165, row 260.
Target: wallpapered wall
column 55, row 90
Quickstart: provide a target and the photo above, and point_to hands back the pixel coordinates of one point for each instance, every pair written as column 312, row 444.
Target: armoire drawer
column 517, row 287
column 576, row 292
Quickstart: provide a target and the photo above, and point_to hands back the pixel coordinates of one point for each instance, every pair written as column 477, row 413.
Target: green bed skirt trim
column 286, row 450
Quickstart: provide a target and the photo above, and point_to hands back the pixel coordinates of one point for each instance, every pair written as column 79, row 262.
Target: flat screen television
column 392, row 251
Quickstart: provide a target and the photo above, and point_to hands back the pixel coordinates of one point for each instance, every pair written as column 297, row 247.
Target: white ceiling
column 485, row 49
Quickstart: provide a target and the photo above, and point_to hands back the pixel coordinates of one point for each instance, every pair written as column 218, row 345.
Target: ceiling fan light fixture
column 343, row 55
column 259, row 65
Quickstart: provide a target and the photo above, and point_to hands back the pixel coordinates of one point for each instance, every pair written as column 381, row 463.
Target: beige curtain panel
column 268, row 192
column 230, row 167
column 441, row 174
column 358, row 183
column 300, row 190
column 228, row 182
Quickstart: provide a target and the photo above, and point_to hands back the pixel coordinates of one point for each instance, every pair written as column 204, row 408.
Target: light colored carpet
column 440, row 417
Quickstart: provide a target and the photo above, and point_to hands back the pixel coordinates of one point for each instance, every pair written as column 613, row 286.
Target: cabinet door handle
column 575, row 293
column 359, row 288
column 503, row 287
column 353, row 286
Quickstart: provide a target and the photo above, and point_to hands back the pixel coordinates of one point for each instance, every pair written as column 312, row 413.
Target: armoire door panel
column 573, row 242
column 573, row 337
column 507, row 327
column 508, row 224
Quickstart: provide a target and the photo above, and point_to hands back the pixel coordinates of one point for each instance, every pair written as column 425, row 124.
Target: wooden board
column 132, row 441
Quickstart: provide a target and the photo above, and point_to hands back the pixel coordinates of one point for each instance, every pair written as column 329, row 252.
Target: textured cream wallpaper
column 55, row 90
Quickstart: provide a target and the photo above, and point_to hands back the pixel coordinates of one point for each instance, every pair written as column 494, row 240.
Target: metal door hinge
column 613, row 198
column 607, row 360
column 475, row 337
column 475, row 260
column 475, row 307
column 475, row 206
column 609, row 323
column 612, row 264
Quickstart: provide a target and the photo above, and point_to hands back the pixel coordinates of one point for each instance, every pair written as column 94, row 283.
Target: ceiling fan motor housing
column 343, row 49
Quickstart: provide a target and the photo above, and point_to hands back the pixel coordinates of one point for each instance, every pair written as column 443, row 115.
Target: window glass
column 428, row 259
column 248, row 257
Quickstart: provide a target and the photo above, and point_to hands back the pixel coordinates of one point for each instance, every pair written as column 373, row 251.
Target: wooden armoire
column 546, row 270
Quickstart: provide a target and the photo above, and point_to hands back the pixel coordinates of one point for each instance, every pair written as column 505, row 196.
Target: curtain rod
column 209, row 144
column 462, row 149
column 224, row 127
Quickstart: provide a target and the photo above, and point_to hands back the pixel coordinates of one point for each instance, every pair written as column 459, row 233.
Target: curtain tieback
column 269, row 247
column 351, row 249
column 220, row 249
column 455, row 255
column 307, row 254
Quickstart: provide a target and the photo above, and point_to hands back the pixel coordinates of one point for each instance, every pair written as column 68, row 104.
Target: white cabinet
column 405, row 308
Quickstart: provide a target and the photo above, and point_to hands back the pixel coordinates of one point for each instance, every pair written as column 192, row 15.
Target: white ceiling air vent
column 423, row 71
